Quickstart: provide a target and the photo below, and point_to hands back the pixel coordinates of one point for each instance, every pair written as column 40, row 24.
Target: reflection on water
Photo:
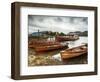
column 54, row 57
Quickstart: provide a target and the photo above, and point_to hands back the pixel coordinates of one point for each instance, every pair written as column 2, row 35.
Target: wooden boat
column 36, row 43
column 74, row 52
column 50, row 47
column 67, row 38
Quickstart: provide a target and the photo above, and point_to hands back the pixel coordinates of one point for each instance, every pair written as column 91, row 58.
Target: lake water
column 56, row 53
column 78, row 42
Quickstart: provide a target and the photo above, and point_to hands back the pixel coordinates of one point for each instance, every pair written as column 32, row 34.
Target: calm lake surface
column 56, row 54
column 78, row 42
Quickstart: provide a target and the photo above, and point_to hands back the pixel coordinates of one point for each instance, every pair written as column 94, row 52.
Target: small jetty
column 74, row 52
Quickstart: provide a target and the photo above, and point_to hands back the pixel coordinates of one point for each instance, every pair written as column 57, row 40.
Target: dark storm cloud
column 57, row 23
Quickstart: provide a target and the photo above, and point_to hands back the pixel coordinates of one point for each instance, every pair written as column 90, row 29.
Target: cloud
column 57, row 23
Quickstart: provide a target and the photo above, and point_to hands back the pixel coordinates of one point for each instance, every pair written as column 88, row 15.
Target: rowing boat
column 36, row 43
column 50, row 47
column 74, row 52
column 67, row 38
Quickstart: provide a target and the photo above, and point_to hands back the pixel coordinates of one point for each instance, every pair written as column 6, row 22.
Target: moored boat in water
column 74, row 52
column 67, row 38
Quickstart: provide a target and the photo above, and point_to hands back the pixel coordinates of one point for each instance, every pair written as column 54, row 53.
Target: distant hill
column 42, row 34
column 39, row 33
column 45, row 33
column 50, row 33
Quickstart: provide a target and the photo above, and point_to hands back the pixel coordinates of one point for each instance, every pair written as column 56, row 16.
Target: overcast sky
column 64, row 24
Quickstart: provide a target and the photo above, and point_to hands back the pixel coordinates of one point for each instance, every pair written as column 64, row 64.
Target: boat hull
column 71, row 53
column 66, row 38
column 49, row 48
column 36, row 43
